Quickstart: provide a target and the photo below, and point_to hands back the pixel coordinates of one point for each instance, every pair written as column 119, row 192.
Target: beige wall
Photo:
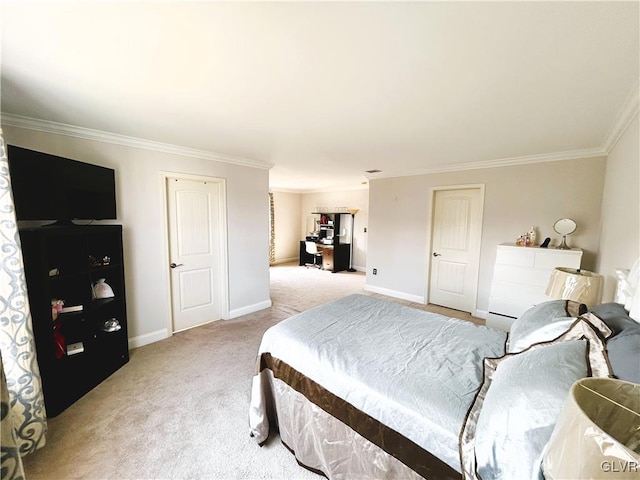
column 288, row 218
column 516, row 198
column 140, row 204
column 620, row 238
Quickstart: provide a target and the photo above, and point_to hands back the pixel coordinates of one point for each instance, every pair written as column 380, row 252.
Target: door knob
column 174, row 265
column 436, row 254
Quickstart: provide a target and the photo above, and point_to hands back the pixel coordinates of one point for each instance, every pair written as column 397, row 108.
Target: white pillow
column 553, row 330
column 541, row 315
column 516, row 409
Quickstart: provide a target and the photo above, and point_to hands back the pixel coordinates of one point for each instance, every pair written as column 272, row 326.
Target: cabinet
column 87, row 341
column 520, row 279
column 327, row 258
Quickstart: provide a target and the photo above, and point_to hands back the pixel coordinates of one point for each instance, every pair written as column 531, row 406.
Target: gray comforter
column 413, row 371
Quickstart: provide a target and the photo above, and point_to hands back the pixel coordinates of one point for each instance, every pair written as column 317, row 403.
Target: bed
column 367, row 388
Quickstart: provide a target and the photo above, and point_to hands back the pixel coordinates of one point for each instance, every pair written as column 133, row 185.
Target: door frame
column 221, row 238
column 430, row 223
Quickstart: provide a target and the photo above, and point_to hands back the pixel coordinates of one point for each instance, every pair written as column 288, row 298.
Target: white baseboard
column 146, row 339
column 286, row 260
column 394, row 293
column 481, row 314
column 256, row 307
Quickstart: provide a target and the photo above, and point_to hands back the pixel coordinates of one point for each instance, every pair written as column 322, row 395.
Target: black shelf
column 331, row 224
column 72, row 251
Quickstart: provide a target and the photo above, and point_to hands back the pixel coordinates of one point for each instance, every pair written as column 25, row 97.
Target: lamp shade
column 575, row 284
column 597, row 434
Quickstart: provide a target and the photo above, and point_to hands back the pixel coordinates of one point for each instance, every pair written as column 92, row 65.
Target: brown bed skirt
column 341, row 441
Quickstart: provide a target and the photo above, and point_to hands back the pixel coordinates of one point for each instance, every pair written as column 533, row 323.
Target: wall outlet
column 375, row 271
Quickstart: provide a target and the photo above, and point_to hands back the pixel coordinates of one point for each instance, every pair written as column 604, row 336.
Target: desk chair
column 312, row 249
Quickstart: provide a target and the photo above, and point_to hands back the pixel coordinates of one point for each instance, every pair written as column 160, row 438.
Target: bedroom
column 586, row 185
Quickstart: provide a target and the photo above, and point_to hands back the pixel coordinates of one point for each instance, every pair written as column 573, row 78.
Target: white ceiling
column 326, row 90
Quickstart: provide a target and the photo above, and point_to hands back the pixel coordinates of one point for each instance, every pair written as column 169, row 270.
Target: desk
column 334, row 257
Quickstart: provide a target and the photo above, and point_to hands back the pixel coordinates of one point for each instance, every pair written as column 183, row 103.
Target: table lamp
column 575, row 284
column 597, row 434
column 353, row 212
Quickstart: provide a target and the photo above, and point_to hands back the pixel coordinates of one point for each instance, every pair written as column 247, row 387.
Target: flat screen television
column 48, row 187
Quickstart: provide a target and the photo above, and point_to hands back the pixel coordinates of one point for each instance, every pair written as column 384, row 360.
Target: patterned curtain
column 22, row 409
column 272, row 224
column 11, row 459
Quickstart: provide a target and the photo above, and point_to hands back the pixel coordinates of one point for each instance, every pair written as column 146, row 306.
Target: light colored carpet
column 179, row 408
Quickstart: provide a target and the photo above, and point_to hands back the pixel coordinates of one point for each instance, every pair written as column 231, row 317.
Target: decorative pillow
column 516, row 407
column 542, row 315
column 521, row 408
column 623, row 348
column 615, row 316
column 624, row 352
column 544, row 333
column 556, row 328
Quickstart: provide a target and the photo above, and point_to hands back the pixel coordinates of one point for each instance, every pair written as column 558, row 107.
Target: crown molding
column 106, row 137
column 502, row 162
column 628, row 112
column 319, row 190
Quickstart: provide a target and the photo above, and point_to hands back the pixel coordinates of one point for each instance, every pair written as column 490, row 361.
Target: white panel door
column 457, row 226
column 194, row 247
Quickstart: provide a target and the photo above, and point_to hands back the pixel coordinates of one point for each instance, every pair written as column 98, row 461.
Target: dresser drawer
column 507, row 307
column 522, row 275
column 557, row 258
column 516, row 256
column 502, row 322
column 530, row 294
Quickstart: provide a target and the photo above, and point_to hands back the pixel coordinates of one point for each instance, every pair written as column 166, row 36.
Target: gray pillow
column 623, row 347
column 615, row 316
column 539, row 316
column 624, row 355
column 513, row 418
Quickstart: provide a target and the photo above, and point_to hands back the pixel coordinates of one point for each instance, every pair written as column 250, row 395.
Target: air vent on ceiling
column 373, row 171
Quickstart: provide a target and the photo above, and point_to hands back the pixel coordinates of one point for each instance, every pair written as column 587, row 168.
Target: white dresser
column 520, row 278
